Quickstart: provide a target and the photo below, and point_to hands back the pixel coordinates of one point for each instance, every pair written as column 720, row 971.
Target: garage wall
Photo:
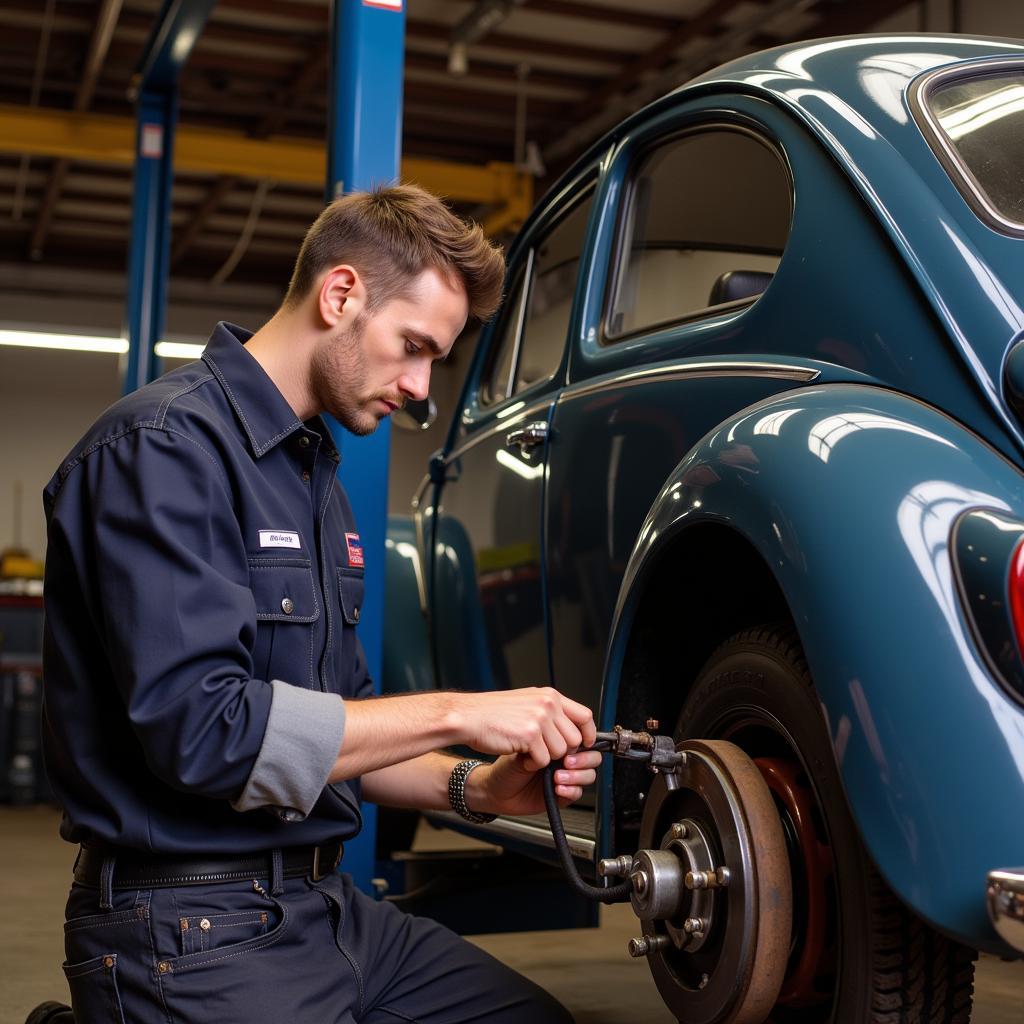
column 48, row 399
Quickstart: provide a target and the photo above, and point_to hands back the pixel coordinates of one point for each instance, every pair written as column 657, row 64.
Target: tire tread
column 919, row 976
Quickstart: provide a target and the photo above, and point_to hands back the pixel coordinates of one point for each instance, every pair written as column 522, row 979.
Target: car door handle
column 529, row 435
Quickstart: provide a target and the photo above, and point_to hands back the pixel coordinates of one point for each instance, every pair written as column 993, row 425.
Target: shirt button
column 287, row 606
column 305, row 475
column 355, row 614
column 303, row 441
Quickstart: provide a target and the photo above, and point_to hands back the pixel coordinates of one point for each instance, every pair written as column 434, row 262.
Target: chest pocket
column 283, row 590
column 350, row 589
column 286, row 602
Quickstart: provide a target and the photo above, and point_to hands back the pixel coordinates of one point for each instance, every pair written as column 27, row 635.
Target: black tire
column 881, row 963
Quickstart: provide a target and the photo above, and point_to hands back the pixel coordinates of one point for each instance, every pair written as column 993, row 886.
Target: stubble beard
column 338, row 377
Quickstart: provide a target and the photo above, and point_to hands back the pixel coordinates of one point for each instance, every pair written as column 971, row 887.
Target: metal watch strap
column 457, row 793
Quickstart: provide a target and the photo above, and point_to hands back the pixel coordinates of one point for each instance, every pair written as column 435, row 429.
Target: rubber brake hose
column 611, row 894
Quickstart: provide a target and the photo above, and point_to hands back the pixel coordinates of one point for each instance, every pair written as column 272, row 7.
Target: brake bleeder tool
column 710, row 881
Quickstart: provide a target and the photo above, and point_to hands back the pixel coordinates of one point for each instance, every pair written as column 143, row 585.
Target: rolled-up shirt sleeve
column 173, row 605
column 301, row 743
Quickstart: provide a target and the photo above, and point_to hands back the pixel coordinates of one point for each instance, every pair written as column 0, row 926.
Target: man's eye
column 411, row 348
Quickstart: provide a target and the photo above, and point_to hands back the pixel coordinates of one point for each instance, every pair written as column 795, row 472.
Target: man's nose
column 415, row 384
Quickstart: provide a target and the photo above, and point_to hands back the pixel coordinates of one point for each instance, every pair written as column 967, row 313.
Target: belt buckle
column 317, row 873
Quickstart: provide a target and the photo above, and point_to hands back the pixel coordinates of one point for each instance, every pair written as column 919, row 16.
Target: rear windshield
column 981, row 121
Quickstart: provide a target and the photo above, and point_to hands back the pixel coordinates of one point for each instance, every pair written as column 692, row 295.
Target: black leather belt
column 134, row 869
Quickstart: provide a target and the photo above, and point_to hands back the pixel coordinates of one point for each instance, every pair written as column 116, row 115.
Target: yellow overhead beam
column 98, row 138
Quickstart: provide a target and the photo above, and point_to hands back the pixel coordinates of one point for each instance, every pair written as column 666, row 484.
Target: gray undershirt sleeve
column 300, row 745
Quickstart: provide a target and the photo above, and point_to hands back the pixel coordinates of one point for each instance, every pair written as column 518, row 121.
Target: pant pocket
column 94, row 994
column 203, row 932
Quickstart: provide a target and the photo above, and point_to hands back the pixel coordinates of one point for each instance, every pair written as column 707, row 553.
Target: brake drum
column 712, row 888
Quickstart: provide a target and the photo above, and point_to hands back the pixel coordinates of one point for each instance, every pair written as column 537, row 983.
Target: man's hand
column 512, row 786
column 537, row 723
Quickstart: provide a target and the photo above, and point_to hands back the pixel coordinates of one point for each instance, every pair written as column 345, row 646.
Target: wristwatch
column 457, row 793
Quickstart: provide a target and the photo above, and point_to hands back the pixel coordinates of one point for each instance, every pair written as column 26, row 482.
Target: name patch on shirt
column 355, row 550
column 279, row 539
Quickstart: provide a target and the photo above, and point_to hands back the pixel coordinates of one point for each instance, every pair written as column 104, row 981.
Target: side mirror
column 416, row 415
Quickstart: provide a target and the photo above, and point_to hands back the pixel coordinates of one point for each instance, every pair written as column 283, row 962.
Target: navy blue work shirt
column 204, row 578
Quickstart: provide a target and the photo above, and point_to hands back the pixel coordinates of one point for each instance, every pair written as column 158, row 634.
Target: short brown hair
column 391, row 235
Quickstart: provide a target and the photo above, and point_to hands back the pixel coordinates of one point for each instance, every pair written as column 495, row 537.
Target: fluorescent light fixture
column 74, row 342
column 89, row 343
column 178, row 350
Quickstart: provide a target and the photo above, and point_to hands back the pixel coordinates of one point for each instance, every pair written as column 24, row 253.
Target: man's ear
column 342, row 295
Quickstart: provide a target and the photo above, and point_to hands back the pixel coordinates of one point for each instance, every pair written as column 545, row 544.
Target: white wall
column 47, row 400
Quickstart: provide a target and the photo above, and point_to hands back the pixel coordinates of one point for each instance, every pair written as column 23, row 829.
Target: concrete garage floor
column 587, row 969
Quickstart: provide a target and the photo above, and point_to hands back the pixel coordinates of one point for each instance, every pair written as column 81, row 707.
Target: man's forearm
column 421, row 783
column 385, row 731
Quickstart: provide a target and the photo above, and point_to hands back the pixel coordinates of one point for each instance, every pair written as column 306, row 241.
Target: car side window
column 556, row 262
column 705, row 220
column 495, row 386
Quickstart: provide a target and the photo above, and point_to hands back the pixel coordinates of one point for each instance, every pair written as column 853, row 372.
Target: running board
column 534, row 828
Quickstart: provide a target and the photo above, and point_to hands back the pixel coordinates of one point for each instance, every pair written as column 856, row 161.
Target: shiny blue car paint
column 889, row 287
column 925, row 740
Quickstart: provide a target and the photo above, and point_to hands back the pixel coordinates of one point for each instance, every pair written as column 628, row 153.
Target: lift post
column 364, row 151
column 170, row 44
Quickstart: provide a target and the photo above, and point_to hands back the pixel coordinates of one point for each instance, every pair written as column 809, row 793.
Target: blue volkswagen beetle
column 743, row 453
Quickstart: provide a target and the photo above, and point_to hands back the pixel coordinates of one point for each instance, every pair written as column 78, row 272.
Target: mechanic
column 209, row 722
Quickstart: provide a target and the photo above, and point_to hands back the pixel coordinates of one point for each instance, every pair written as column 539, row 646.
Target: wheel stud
column 646, row 945
column 679, row 831
column 693, row 926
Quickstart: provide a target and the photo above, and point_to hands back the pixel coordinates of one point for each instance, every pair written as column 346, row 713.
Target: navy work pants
column 314, row 953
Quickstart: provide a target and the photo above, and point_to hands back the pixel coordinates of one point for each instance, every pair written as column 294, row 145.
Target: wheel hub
column 712, row 889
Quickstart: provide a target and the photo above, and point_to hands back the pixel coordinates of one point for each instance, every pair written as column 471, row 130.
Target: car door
column 488, row 621
column 701, row 210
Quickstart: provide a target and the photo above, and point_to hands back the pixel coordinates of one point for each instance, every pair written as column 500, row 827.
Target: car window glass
column 983, row 119
column 556, row 263
column 503, row 342
column 706, row 219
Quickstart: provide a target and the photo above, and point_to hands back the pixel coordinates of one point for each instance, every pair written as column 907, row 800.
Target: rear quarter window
column 704, row 223
column 975, row 122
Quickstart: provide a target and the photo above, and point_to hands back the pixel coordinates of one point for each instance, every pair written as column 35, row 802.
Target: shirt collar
column 261, row 408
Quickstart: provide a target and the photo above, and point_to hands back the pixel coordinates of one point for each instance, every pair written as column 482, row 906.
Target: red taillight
column 1016, row 588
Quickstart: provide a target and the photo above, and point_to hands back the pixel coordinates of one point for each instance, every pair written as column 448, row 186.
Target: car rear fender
column 849, row 494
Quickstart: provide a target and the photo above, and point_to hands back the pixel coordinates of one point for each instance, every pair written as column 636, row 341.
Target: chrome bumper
column 1005, row 900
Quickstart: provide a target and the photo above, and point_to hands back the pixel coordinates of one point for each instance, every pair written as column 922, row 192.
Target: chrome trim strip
column 520, row 828
column 513, row 366
column 695, row 371
column 1005, row 901
column 494, row 428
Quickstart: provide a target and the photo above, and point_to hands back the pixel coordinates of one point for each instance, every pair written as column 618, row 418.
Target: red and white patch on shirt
column 355, row 550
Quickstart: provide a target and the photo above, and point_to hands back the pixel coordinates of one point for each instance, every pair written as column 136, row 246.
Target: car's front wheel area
column 857, row 955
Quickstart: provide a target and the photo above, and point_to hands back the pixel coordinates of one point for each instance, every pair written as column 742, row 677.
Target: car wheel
column 858, row 955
